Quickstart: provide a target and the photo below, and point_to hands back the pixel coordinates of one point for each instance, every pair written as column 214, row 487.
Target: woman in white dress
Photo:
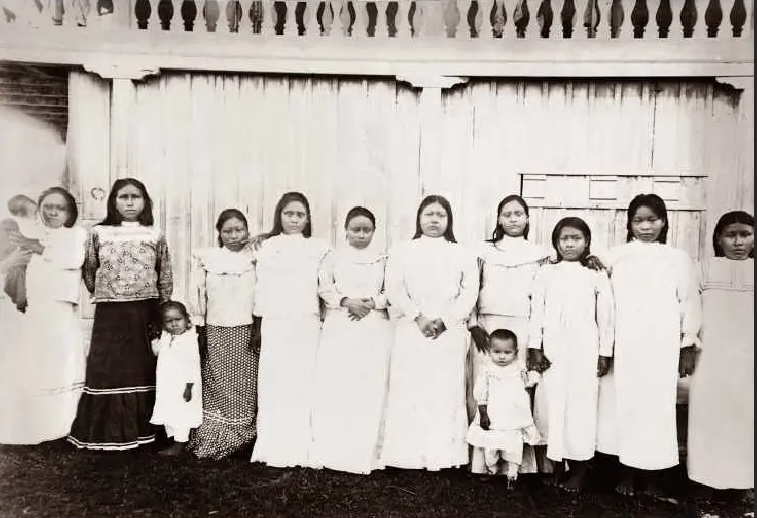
column 286, row 297
column 721, row 397
column 353, row 355
column 508, row 264
column 432, row 282
column 657, row 322
column 54, row 356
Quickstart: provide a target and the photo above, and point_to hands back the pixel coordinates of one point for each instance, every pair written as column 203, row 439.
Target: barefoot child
column 503, row 422
column 571, row 340
column 178, row 399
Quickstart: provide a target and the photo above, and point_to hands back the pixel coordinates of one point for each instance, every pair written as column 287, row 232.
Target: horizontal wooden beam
column 134, row 54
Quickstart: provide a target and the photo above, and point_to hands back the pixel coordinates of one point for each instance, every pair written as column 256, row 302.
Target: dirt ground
column 54, row 480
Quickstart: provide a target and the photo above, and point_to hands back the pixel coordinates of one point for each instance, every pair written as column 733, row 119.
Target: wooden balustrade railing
column 462, row 19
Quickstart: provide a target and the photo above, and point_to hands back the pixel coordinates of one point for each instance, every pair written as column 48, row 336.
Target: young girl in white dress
column 503, row 421
column 572, row 331
column 353, row 355
column 286, row 297
column 178, row 383
column 432, row 283
column 721, row 396
column 657, row 320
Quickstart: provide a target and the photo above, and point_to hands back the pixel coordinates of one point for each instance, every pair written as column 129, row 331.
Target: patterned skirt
column 119, row 387
column 229, row 393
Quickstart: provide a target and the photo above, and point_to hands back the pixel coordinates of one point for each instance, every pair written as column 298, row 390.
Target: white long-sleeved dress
column 352, row 363
column 657, row 311
column 426, row 418
column 573, row 321
column 286, row 297
column 46, row 360
column 721, row 399
column 178, row 364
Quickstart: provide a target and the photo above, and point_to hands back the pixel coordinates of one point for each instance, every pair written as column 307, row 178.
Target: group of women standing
column 302, row 359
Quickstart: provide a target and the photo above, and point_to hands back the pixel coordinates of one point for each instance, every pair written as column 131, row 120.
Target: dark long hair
column 114, row 218
column 656, row 205
column 449, row 234
column 737, row 216
column 73, row 211
column 499, row 230
column 225, row 216
column 578, row 224
column 359, row 211
column 285, row 199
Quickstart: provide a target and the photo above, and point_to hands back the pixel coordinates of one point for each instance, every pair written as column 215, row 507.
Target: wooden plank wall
column 205, row 142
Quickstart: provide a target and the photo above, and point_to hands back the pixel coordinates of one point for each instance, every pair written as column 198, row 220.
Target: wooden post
column 431, row 124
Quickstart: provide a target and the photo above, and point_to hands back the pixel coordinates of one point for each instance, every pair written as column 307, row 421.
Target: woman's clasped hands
column 357, row 308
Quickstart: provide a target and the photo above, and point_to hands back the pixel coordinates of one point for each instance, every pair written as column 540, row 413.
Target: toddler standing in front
column 503, row 421
column 178, row 398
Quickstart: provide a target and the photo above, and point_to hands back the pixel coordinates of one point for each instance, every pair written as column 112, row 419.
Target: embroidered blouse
column 127, row 262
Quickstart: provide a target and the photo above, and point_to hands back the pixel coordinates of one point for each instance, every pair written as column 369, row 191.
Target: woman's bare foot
column 175, row 449
column 625, row 487
column 576, row 479
column 573, row 484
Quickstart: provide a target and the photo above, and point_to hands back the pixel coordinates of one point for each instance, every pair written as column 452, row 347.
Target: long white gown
column 42, row 364
column 286, row 297
column 721, row 397
column 657, row 311
column 572, row 319
column 352, row 364
column 426, row 416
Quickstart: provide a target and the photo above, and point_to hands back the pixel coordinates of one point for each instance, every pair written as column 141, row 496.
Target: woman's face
column 234, row 234
column 571, row 243
column 433, row 220
column 646, row 226
column 294, row 217
column 55, row 211
column 360, row 231
column 129, row 202
column 513, row 218
column 737, row 241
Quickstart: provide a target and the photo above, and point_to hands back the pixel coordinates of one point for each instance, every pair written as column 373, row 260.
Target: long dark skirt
column 119, row 388
column 229, row 393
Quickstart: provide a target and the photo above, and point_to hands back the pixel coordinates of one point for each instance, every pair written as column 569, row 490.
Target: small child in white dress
column 178, row 397
column 503, row 421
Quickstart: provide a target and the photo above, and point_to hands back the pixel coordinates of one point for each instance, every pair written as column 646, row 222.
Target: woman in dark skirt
column 128, row 270
column 224, row 289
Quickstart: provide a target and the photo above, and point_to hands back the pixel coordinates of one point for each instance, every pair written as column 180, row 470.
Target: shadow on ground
column 53, row 480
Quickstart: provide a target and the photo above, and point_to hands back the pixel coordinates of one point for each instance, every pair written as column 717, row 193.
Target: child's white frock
column 178, row 364
column 503, row 390
column 573, row 320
